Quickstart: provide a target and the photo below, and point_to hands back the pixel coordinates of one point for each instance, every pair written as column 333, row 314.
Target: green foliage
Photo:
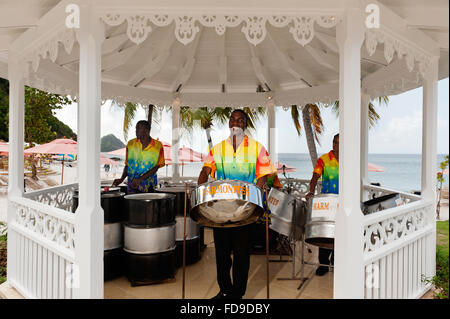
column 41, row 126
column 3, row 252
column 39, row 107
column 441, row 280
column 443, row 165
column 110, row 143
column 4, row 106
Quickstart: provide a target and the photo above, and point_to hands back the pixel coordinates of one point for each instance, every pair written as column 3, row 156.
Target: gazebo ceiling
column 224, row 63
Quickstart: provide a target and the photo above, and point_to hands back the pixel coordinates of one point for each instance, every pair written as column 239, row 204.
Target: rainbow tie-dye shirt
column 328, row 166
column 250, row 162
column 139, row 161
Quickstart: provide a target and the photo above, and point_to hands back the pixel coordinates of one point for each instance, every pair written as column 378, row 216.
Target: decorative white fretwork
column 50, row 227
column 394, row 45
column 395, row 228
column 254, row 26
column 59, row 197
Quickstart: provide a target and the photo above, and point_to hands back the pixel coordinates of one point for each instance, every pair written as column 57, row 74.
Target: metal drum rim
column 159, row 195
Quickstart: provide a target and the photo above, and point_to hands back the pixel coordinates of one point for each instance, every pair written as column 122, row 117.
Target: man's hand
column 203, row 177
column 262, row 183
column 117, row 181
column 135, row 183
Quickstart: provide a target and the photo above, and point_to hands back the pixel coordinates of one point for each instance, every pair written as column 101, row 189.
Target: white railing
column 395, row 247
column 58, row 196
column 42, row 231
column 371, row 191
column 397, row 242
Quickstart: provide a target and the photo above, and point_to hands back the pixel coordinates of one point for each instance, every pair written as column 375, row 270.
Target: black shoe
column 322, row 270
column 221, row 295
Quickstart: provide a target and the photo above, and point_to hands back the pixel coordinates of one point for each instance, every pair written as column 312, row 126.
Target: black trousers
column 326, row 256
column 236, row 240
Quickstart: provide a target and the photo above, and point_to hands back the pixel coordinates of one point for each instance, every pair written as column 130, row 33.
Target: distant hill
column 110, row 143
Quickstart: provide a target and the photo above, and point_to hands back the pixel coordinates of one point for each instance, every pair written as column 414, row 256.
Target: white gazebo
column 217, row 53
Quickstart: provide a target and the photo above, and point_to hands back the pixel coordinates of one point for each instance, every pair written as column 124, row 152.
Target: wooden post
column 16, row 159
column 349, row 237
column 365, row 100
column 429, row 156
column 89, row 215
column 62, row 170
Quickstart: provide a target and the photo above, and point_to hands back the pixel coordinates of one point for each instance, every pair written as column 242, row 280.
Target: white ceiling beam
column 186, row 71
column 19, row 17
column 261, row 72
column 328, row 41
column 295, row 69
column 324, row 59
column 223, row 64
column 115, row 60
column 157, row 61
column 393, row 70
column 109, row 46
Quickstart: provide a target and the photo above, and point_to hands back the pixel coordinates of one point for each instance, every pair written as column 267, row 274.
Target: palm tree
column 313, row 125
column 205, row 118
column 130, row 112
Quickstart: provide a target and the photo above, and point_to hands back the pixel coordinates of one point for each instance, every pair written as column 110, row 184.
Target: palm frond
column 129, row 114
column 316, row 121
column 295, row 114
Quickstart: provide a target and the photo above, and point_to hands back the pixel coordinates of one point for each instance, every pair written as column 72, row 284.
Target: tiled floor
column 201, row 280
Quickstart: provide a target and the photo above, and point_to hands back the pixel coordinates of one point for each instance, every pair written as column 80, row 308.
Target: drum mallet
column 267, row 243
column 184, row 240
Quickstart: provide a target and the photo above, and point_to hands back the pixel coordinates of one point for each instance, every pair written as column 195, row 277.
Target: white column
column 349, row 240
column 429, row 155
column 175, row 139
column 271, row 130
column 16, row 128
column 365, row 99
column 16, row 159
column 89, row 214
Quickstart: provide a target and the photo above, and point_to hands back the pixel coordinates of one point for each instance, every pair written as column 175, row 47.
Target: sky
column 399, row 131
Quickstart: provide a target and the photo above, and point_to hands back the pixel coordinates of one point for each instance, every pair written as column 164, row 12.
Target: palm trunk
column 208, row 137
column 151, row 107
column 306, row 115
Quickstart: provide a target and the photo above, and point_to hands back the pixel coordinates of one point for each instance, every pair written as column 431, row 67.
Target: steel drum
column 320, row 220
column 287, row 214
column 226, row 203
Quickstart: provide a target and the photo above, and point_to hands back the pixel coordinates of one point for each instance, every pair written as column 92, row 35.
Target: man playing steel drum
column 240, row 158
column 144, row 157
column 327, row 166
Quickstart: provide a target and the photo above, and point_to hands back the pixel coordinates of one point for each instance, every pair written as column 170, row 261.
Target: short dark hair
column 143, row 123
column 242, row 112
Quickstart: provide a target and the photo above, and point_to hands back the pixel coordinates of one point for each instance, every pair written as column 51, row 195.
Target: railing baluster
column 39, row 273
column 34, row 272
column 61, row 278
column 400, row 274
column 50, row 275
column 410, row 271
column 389, row 276
column 44, row 273
column 383, row 278
column 55, row 283
column 394, row 274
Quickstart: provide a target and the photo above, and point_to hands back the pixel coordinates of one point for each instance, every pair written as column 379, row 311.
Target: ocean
column 401, row 171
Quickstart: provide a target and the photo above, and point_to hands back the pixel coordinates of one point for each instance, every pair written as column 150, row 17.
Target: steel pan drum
column 320, row 220
column 226, row 203
column 288, row 214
